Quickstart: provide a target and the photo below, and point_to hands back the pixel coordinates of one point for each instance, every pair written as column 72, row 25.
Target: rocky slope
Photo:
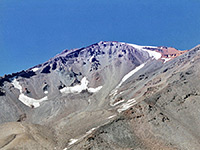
column 166, row 116
column 109, row 95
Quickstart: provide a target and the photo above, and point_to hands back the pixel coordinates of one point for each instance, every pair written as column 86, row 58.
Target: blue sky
column 32, row 31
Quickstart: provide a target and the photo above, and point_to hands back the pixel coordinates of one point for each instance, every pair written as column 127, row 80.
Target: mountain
column 109, row 95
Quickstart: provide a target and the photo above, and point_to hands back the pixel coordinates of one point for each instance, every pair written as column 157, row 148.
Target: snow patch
column 136, row 46
column 35, row 69
column 166, row 59
column 79, row 88
column 90, row 60
column 89, row 101
column 111, row 117
column 28, row 101
column 127, row 105
column 90, row 131
column 76, row 88
column 153, row 54
column 72, row 141
column 94, row 90
column 46, row 92
column 130, row 74
column 121, row 92
column 113, row 93
column 16, row 84
column 119, row 102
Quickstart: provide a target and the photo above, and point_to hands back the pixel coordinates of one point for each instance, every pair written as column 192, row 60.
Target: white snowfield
column 153, row 54
column 79, row 88
column 28, row 101
column 127, row 105
column 35, row 69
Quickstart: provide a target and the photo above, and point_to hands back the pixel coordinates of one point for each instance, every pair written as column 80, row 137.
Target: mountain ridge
column 66, row 52
column 100, row 97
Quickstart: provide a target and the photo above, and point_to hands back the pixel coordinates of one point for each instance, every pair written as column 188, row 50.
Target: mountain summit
column 109, row 95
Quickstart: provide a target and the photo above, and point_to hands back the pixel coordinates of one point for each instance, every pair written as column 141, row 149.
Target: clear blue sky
column 32, row 31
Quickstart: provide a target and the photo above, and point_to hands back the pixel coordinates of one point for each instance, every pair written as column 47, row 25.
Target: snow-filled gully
column 128, row 104
column 28, row 101
column 128, row 75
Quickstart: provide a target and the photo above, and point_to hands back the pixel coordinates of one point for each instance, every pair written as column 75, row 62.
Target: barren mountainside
column 107, row 96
